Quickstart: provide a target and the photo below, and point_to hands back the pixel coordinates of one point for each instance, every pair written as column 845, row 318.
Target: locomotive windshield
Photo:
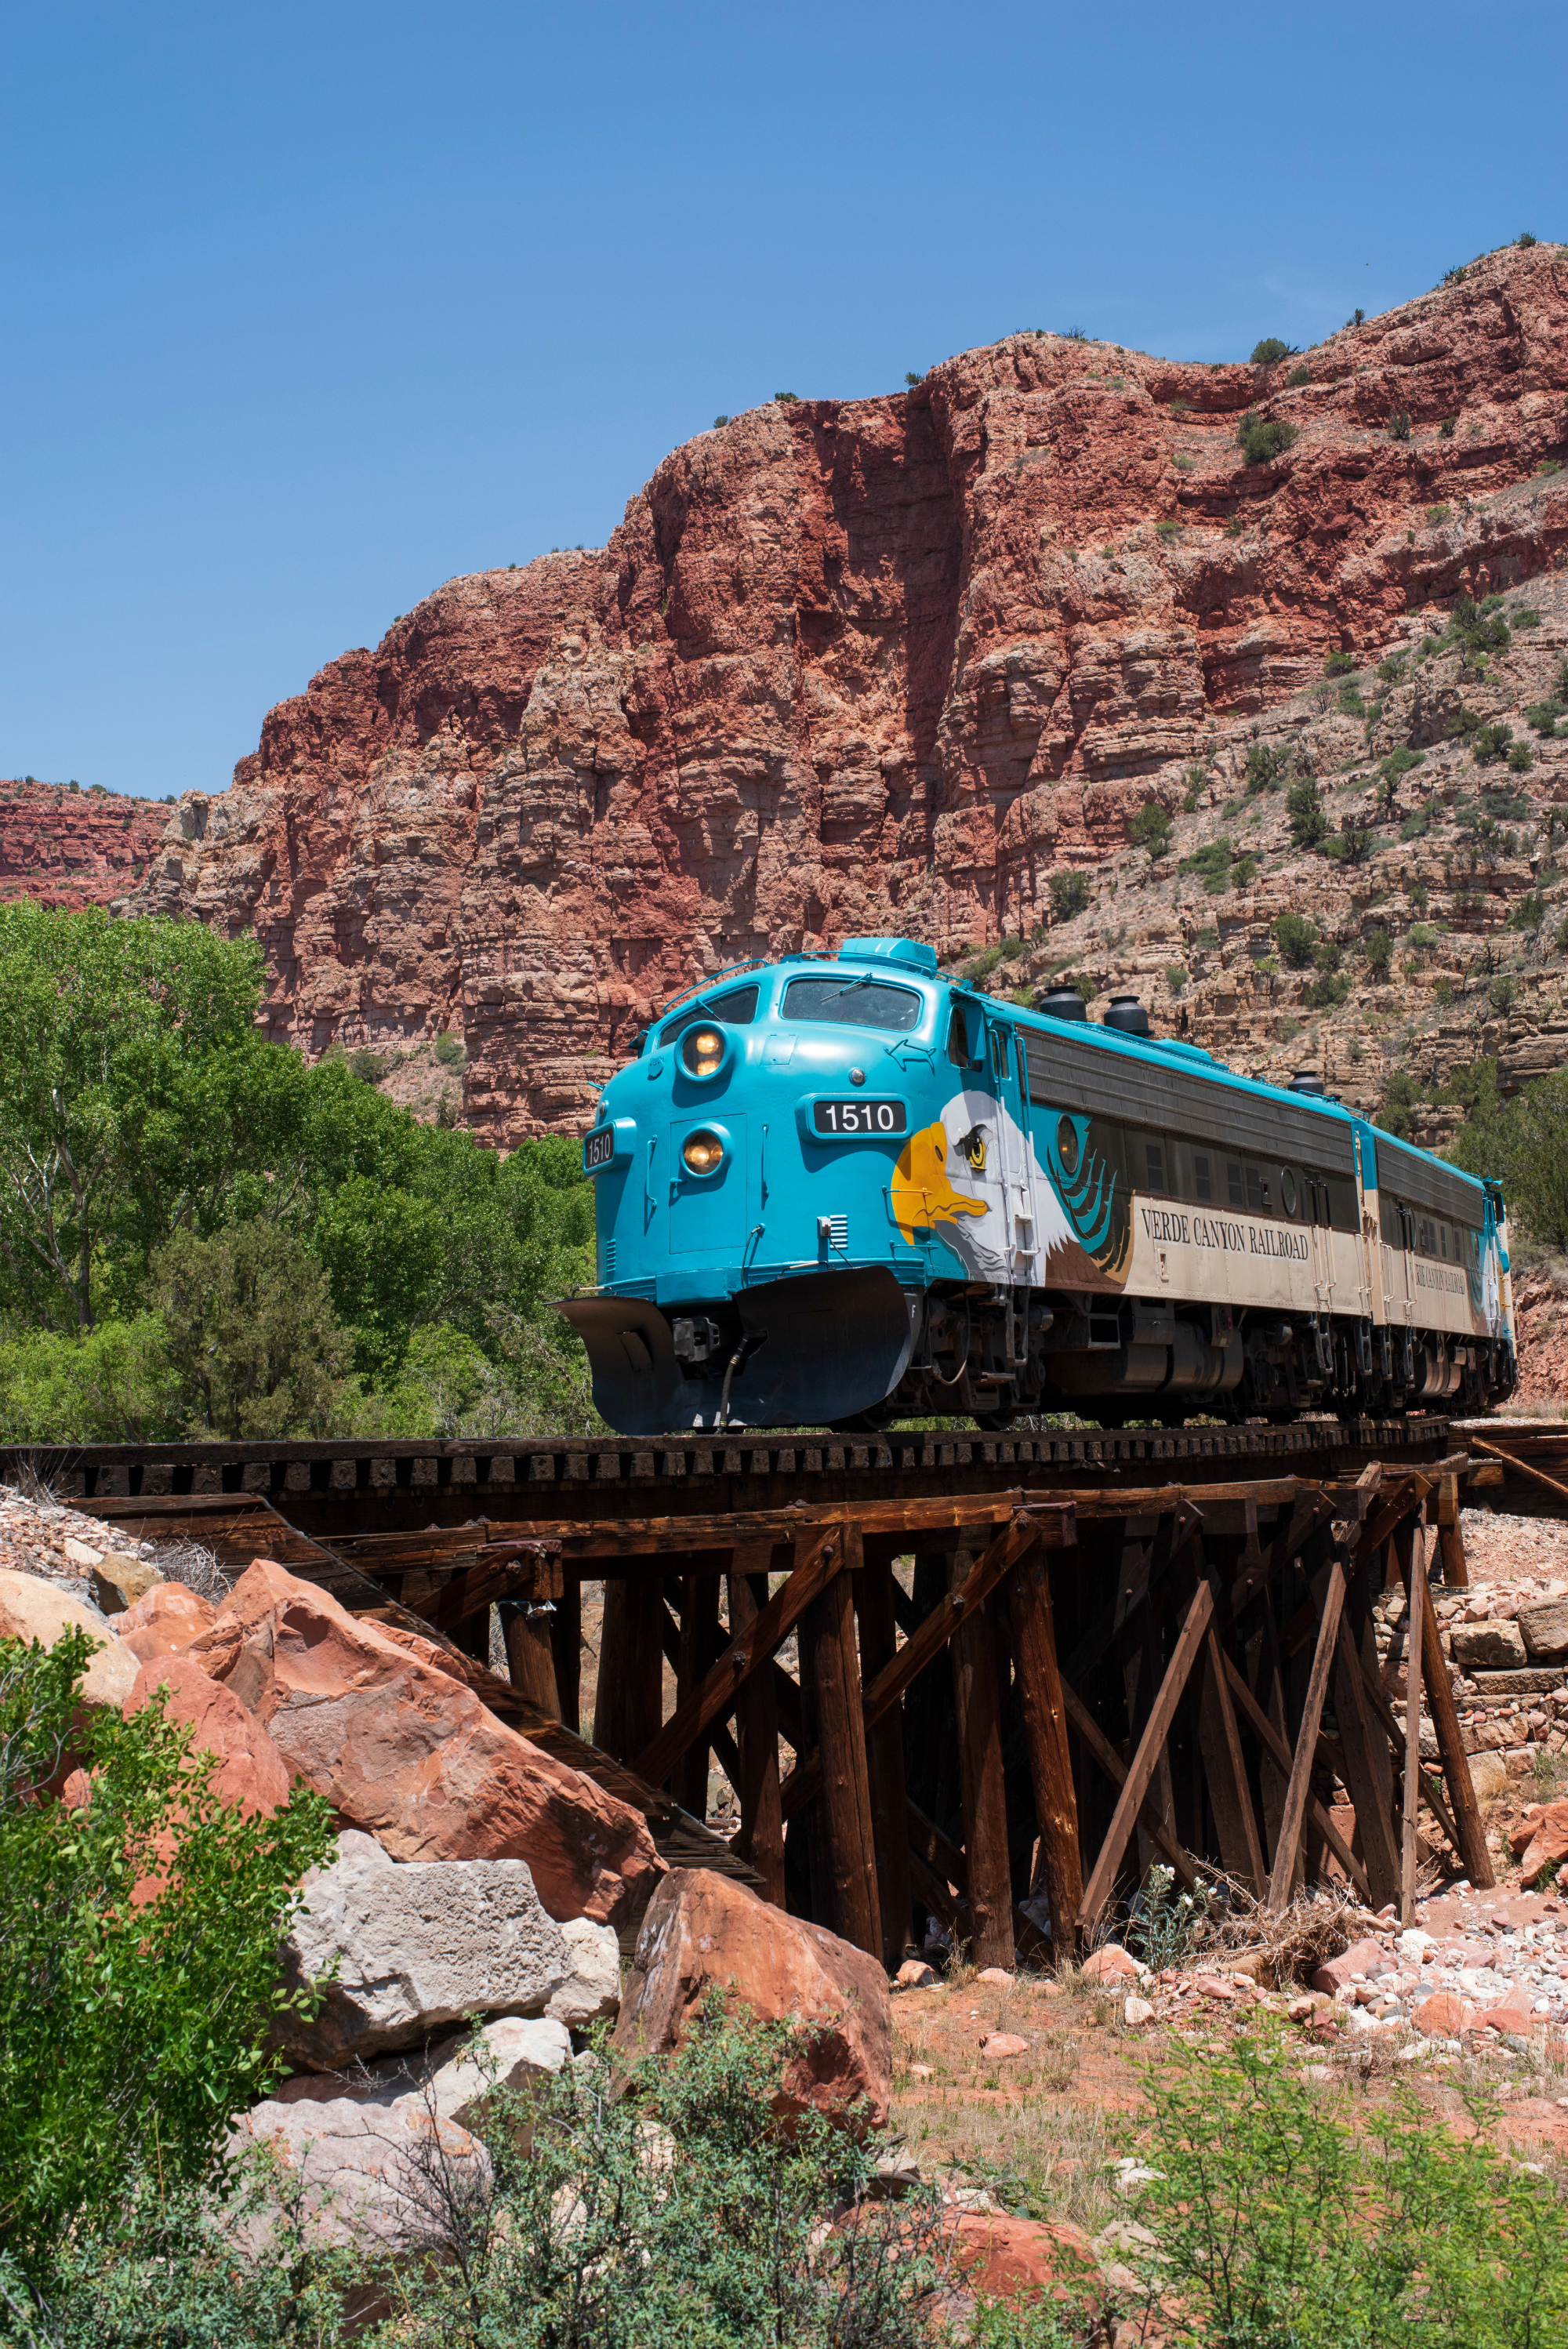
column 853, row 1003
column 737, row 1008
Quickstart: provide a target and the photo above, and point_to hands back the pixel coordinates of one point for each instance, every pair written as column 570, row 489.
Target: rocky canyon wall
column 860, row 666
column 74, row 848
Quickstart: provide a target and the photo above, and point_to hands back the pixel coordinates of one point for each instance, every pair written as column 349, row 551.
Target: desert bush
column 1070, row 895
column 1261, row 440
column 1212, row 864
column 1350, row 703
column 1297, row 938
column 1378, row 947
column 129, row 2031
column 1271, row 350
column 1338, row 664
column 1438, row 513
column 1306, row 814
column 1175, row 978
column 251, row 1333
column 1399, row 426
column 1151, row 830
column 369, row 1066
column 1298, row 376
column 1265, row 765
column 449, row 1048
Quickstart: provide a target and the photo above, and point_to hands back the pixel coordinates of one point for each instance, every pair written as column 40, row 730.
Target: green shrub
column 1243, row 872
column 1524, row 238
column 128, row 2033
column 1168, row 529
column 1455, row 276
column 1379, row 948
column 1543, row 717
column 1070, row 895
column 1490, row 743
column 1439, row 514
column 787, row 399
column 1391, row 669
column 1527, row 617
column 1446, row 429
column 1175, row 978
column 1501, row 991
column 1338, row 664
column 1529, row 913
column 1399, row 426
column 1263, row 441
column 1212, row 862
column 1196, row 778
column 912, row 377
column 1520, row 759
column 1298, row 376
column 369, row 1066
column 1324, row 993
column 1304, row 809
column 449, row 1048
column 1151, row 830
column 719, row 422
column 1480, row 628
column 1265, row 765
column 114, row 1383
column 1296, row 939
column 1328, row 956
column 1350, row 702
column 251, row 1333
column 1271, row 350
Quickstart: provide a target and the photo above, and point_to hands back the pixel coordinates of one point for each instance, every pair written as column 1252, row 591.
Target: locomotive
column 843, row 1189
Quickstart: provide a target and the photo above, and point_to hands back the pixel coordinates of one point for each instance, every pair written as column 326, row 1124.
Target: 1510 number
column 874, row 1117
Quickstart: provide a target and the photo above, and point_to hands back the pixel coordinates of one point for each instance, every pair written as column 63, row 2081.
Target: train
column 841, row 1189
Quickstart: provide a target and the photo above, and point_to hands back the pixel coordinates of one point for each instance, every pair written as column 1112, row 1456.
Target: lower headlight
column 703, row 1153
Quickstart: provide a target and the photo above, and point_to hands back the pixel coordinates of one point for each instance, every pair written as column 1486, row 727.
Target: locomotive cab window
column 853, row 1003
column 964, row 1035
column 736, row 1008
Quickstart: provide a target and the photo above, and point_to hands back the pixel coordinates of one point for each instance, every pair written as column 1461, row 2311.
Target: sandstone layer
column 859, row 666
column 74, row 848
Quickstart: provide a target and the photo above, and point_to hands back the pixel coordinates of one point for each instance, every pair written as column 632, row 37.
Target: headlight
column 702, row 1051
column 703, row 1153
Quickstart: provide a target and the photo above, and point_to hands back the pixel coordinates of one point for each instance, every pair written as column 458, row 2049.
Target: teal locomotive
column 838, row 1190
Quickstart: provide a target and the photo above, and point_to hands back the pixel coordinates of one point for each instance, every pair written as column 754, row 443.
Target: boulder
column 1488, row 1646
column 412, row 1755
column 915, row 1975
column 1543, row 1628
column 702, row 1932
column 251, row 1773
column 592, row 1988
column 31, row 1608
column 1111, row 1964
column 117, row 1581
column 451, row 2079
column 362, row 2169
column 1360, row 1958
column 1443, row 2016
column 1020, row 2259
column 1541, row 1839
column 1001, row 2047
column 165, row 1620
column 417, row 1946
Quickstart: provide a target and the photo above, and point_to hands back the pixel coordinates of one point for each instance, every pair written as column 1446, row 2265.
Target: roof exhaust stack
column 1127, row 1016
column 1062, row 1003
column 1307, row 1081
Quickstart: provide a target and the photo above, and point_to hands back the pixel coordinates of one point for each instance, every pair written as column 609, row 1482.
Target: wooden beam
column 530, row 1572
column 1301, row 1768
column 602, row 1540
column 1521, row 1468
column 567, row 1648
column 1368, row 1772
column 844, row 1825
column 698, row 1638
column 629, row 1697
column 1151, row 1745
column 1111, row 1766
column 1219, row 1742
column 1469, row 1833
column 1412, row 1563
column 1046, row 1524
column 818, row 1555
column 974, row 1686
column 1060, row 1864
column 530, row 1657
column 873, row 1596
column 761, row 1836
column 1276, row 1746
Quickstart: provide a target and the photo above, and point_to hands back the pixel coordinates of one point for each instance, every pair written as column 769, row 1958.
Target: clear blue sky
column 308, row 308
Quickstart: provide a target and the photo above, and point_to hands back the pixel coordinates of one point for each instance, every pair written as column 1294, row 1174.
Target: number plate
column 837, row 1118
column 599, row 1150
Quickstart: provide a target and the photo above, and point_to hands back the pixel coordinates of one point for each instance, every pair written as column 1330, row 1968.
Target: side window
column 1154, row 1162
column 1000, row 1043
column 1202, row 1179
column 1233, row 1183
column 1257, row 1201
column 964, row 1035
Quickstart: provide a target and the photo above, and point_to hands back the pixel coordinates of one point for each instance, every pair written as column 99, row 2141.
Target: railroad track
column 341, row 1487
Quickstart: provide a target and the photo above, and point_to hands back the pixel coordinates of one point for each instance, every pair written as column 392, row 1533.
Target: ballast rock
column 419, row 1946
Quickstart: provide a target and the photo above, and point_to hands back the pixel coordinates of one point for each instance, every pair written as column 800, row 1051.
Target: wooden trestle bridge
column 955, row 1674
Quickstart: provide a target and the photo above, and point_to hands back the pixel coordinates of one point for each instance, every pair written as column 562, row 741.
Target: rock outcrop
column 853, row 665
column 31, row 1608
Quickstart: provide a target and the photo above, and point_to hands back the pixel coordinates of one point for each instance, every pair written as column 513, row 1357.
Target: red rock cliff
column 860, row 666
column 74, row 848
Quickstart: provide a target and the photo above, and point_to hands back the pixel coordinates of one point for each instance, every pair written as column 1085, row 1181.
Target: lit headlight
column 702, row 1051
column 703, row 1153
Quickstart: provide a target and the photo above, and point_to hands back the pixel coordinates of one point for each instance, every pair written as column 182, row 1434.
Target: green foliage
column 1296, row 939
column 1175, row 978
column 1351, row 705
column 1304, row 811
column 1524, row 1143
column 1490, row 743
column 1196, row 778
column 1168, row 529
column 1272, row 349
column 1446, row 429
column 1439, row 514
column 1166, row 1925
column 1325, row 991
column 1500, row 992
column 1391, row 668
column 1298, row 376
column 1401, row 1098
column 1150, row 829
column 448, row 1050
column 1338, row 664
column 1070, row 895
column 1529, row 913
column 1283, row 2221
column 1480, row 628
column 251, row 1334
column 115, row 1384
column 1266, row 764
column 1262, row 441
column 1543, row 716
column 1378, row 949
column 1520, row 759
column 1399, row 425
column 914, row 376
column 128, row 2033
column 1212, row 862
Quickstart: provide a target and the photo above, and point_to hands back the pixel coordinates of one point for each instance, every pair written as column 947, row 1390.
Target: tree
column 1261, row 441
column 1295, row 938
column 252, row 1332
column 133, row 1089
column 1304, row 811
column 1150, row 829
column 139, row 1948
column 1272, row 349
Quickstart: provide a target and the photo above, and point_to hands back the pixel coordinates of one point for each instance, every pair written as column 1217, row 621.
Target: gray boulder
column 417, row 1946
column 1544, row 1630
column 594, row 1988
column 1488, row 1646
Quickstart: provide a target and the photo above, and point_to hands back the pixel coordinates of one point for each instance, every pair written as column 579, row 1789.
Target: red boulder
column 165, row 1620
column 705, row 1931
column 250, row 1772
column 412, row 1756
